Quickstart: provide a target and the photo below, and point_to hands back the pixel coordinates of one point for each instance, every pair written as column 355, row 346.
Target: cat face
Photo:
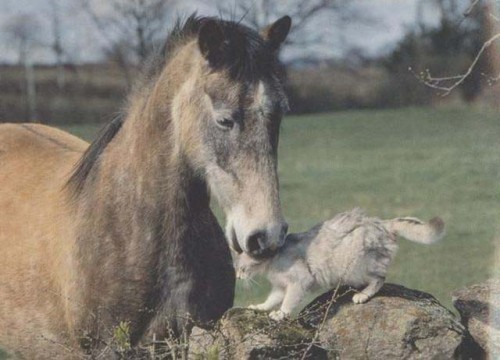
column 246, row 267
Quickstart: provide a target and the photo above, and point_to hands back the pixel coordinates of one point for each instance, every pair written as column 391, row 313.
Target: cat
column 350, row 249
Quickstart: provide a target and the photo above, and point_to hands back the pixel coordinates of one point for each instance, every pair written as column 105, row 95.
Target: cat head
column 246, row 266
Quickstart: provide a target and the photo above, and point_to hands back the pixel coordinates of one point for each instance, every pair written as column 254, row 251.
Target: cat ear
column 276, row 33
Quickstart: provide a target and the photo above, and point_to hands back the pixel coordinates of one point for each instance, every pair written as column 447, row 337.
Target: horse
column 121, row 231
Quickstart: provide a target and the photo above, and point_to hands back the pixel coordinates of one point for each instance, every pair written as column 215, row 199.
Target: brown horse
column 129, row 235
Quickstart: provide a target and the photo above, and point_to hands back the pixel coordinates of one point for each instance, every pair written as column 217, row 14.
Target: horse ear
column 211, row 41
column 277, row 32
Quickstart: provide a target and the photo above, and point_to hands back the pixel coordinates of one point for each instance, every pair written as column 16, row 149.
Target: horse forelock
column 248, row 56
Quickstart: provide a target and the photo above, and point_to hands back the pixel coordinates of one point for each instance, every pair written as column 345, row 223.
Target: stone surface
column 398, row 323
column 479, row 308
column 249, row 334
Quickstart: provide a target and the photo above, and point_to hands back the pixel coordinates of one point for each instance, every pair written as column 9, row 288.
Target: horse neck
column 141, row 213
column 142, row 172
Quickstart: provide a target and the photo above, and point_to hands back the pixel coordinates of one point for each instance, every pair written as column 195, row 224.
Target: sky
column 388, row 21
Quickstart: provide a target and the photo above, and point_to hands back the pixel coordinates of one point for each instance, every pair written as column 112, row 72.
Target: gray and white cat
column 350, row 249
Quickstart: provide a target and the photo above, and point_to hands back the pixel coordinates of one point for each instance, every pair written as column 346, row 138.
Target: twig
column 323, row 321
column 64, row 347
column 470, row 8
column 436, row 83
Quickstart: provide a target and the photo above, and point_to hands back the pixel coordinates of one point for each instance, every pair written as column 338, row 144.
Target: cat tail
column 416, row 230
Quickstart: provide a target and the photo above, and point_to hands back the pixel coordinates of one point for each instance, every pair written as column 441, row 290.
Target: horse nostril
column 234, row 242
column 256, row 241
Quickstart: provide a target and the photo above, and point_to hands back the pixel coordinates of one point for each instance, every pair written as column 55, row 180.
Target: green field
column 420, row 162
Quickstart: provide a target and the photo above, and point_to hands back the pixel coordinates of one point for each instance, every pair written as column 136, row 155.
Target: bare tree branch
column 260, row 13
column 56, row 44
column 437, row 82
column 131, row 29
column 23, row 31
column 470, row 8
column 484, row 17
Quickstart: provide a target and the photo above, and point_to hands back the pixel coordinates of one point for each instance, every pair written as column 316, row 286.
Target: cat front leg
column 294, row 295
column 368, row 292
column 274, row 299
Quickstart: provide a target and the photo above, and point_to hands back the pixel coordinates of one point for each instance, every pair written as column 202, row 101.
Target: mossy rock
column 479, row 308
column 398, row 323
column 250, row 334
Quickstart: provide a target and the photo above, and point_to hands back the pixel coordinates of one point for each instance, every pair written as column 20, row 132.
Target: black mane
column 248, row 55
column 248, row 58
column 92, row 154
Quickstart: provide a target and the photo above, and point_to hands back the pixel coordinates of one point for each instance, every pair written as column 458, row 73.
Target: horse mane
column 92, row 154
column 248, row 58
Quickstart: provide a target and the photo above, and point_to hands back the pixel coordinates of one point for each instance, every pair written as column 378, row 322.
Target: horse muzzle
column 264, row 243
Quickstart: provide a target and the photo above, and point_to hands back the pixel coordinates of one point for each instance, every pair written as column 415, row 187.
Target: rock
column 479, row 308
column 204, row 344
column 398, row 323
column 249, row 334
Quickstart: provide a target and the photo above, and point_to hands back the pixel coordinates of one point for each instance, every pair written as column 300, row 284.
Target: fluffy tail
column 416, row 230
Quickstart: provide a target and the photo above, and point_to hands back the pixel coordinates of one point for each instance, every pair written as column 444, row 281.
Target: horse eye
column 225, row 123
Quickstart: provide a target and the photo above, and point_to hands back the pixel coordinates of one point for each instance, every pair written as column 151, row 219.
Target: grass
column 3, row 355
column 415, row 161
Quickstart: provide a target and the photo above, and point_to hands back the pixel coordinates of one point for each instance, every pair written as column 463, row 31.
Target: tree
column 459, row 49
column 260, row 13
column 23, row 31
column 472, row 32
column 57, row 42
column 131, row 29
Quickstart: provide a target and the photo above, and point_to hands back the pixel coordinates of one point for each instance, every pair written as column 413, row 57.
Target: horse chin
column 261, row 254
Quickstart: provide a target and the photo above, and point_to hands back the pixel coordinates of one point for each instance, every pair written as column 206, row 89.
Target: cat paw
column 255, row 307
column 278, row 315
column 360, row 298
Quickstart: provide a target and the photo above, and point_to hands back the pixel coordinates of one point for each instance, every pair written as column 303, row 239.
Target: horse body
column 74, row 268
column 36, row 235
column 129, row 235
